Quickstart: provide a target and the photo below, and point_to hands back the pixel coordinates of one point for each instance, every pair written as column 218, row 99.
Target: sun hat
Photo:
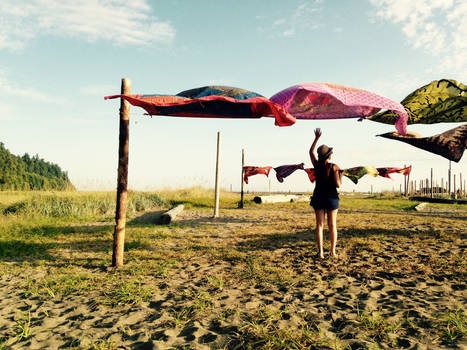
column 324, row 152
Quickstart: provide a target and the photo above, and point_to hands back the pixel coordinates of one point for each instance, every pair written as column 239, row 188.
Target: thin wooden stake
column 240, row 205
column 122, row 178
column 431, row 183
column 405, row 183
column 449, row 178
column 454, row 192
column 216, row 196
column 460, row 184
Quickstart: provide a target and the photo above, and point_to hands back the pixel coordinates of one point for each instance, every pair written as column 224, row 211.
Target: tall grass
column 74, row 204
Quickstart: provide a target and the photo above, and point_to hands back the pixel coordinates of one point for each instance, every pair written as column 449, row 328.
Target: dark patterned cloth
column 211, row 102
column 450, row 144
column 441, row 101
column 285, row 170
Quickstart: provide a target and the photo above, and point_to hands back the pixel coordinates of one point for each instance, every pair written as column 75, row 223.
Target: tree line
column 30, row 173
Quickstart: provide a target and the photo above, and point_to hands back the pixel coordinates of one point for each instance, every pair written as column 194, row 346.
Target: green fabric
column 441, row 101
column 356, row 173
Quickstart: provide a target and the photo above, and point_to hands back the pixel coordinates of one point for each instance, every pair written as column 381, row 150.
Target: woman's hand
column 317, row 133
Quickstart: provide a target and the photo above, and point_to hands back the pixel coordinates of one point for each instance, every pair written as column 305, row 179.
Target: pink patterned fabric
column 332, row 101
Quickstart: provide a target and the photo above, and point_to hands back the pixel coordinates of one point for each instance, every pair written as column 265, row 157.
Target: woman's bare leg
column 332, row 225
column 319, row 213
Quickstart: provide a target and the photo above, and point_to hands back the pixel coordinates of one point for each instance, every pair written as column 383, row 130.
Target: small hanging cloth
column 311, row 174
column 354, row 174
column 285, row 170
column 384, row 172
column 449, row 144
column 254, row 170
column 211, row 102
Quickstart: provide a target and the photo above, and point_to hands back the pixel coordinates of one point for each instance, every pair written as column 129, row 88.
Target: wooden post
column 449, row 178
column 405, row 183
column 460, row 184
column 240, row 205
column 454, row 192
column 122, row 178
column 216, row 188
column 431, row 183
column 407, row 178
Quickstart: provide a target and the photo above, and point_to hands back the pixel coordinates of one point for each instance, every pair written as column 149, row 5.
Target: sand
column 398, row 277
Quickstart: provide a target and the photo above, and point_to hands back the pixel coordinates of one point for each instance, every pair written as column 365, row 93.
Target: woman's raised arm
column 313, row 145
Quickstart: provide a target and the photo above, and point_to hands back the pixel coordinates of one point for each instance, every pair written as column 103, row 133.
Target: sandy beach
column 251, row 278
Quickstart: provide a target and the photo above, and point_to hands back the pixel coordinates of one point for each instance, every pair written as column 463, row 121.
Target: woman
column 325, row 197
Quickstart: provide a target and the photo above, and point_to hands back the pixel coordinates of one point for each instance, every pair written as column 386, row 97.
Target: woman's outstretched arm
column 313, row 145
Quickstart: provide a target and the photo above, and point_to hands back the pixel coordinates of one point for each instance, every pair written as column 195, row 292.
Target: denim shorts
column 326, row 203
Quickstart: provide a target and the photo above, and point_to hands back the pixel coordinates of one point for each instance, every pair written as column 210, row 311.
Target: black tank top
column 325, row 183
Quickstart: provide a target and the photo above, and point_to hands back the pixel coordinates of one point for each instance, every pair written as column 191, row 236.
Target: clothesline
column 354, row 174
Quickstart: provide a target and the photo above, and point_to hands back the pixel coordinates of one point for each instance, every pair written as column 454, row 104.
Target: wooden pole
column 431, row 183
column 240, row 205
column 405, row 183
column 460, row 184
column 449, row 178
column 454, row 189
column 407, row 178
column 216, row 190
column 122, row 178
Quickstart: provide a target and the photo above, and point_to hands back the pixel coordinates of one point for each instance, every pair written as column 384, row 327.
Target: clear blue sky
column 60, row 58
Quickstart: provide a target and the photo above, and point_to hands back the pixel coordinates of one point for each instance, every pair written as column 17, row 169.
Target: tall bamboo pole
column 240, row 205
column 122, row 178
column 216, row 190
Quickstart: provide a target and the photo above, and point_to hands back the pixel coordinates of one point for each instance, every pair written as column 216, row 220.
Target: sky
column 59, row 58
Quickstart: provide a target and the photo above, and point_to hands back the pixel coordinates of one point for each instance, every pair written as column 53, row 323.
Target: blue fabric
column 238, row 94
column 326, row 203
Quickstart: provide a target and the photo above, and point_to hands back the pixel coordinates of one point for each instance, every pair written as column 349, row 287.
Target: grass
column 452, row 325
column 250, row 277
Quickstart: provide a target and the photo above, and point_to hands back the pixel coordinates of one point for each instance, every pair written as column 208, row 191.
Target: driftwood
column 171, row 214
column 421, row 206
column 301, row 199
column 277, row 198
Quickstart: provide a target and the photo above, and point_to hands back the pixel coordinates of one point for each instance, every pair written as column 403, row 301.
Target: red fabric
column 384, row 172
column 254, row 170
column 260, row 106
column 311, row 174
